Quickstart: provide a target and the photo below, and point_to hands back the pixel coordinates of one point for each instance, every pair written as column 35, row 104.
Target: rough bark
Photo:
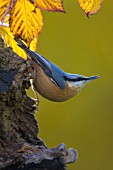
column 20, row 147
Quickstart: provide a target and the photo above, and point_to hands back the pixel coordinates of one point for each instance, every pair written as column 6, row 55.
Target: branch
column 20, row 147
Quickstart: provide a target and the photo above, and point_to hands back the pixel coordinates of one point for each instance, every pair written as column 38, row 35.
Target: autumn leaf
column 90, row 6
column 50, row 5
column 26, row 20
column 3, row 7
column 33, row 44
column 8, row 37
column 96, row 6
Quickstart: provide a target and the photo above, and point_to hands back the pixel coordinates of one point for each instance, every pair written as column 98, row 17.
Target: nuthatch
column 50, row 81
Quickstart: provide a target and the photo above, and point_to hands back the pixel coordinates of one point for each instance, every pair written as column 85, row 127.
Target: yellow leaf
column 96, row 6
column 26, row 21
column 3, row 7
column 90, row 6
column 33, row 44
column 8, row 37
column 51, row 5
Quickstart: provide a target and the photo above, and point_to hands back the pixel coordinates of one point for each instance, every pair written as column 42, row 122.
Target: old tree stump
column 20, row 146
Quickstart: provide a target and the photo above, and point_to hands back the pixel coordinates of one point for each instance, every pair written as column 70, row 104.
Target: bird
column 52, row 82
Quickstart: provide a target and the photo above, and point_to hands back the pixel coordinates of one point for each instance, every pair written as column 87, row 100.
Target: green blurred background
column 85, row 46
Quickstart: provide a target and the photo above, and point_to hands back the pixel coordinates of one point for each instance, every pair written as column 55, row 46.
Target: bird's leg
column 35, row 92
column 37, row 100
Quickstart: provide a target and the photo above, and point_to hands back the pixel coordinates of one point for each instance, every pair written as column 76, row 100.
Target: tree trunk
column 20, row 147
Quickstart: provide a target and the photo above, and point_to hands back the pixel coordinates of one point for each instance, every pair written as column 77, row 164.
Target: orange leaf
column 51, row 5
column 90, row 6
column 3, row 7
column 26, row 21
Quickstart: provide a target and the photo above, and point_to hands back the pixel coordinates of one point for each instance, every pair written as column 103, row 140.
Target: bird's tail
column 25, row 48
column 21, row 44
column 31, row 54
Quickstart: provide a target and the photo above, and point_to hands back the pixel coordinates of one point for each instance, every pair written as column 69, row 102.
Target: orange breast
column 46, row 88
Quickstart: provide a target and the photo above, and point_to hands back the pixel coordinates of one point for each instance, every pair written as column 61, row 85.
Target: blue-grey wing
column 54, row 72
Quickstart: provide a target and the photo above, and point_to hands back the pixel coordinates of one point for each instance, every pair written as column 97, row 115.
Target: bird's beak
column 91, row 78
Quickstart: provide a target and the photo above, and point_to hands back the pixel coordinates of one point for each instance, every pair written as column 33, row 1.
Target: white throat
column 80, row 84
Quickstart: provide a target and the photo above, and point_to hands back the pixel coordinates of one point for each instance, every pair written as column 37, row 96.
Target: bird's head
column 76, row 81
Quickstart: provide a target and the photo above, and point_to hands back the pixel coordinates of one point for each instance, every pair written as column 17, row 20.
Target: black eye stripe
column 76, row 79
column 79, row 79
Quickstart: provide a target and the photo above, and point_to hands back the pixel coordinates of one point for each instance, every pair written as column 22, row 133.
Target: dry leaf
column 4, row 4
column 26, row 21
column 96, row 6
column 51, row 5
column 90, row 6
